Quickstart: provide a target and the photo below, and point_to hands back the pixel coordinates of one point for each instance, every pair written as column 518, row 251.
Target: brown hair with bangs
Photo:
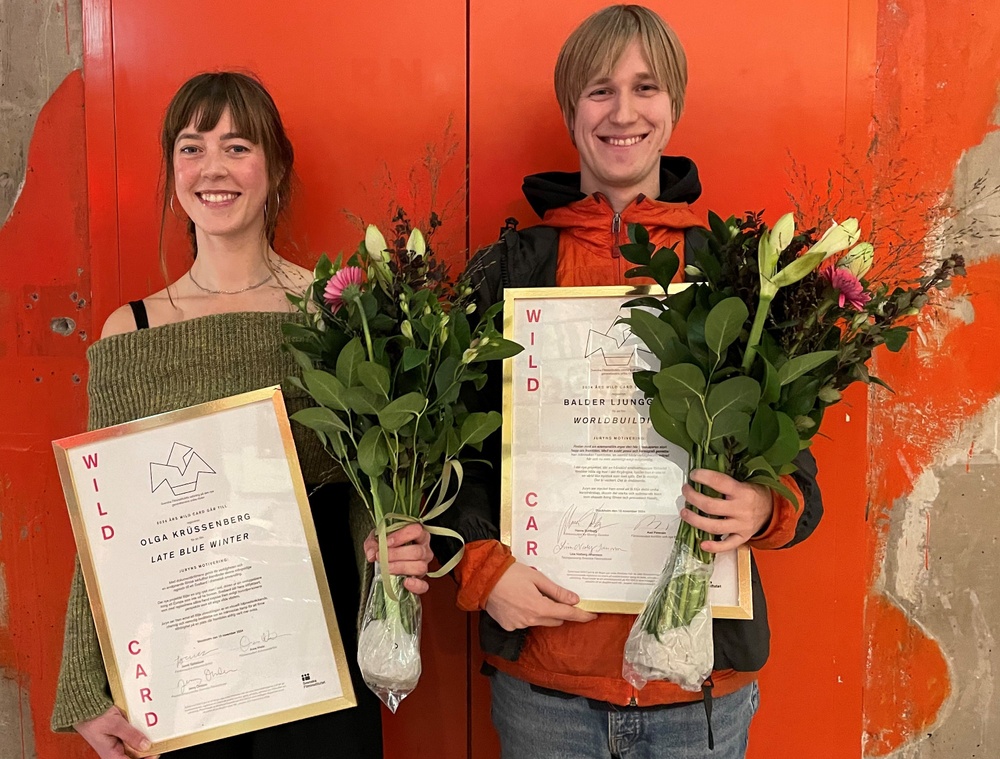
column 200, row 102
column 595, row 47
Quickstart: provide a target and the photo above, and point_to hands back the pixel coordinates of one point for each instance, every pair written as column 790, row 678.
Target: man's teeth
column 619, row 142
column 218, row 197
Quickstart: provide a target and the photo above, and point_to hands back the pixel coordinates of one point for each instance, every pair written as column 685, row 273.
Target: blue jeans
column 537, row 725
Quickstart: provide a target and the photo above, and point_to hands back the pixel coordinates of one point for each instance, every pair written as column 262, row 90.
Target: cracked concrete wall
column 943, row 548
column 40, row 43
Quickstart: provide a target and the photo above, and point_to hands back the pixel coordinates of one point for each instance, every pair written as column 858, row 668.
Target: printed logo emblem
column 181, row 471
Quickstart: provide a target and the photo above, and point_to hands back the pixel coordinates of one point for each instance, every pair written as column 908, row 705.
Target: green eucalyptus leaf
column 498, row 348
column 786, row 446
column 895, row 338
column 348, row 361
column 759, row 464
column 303, row 359
column 731, row 424
column 375, row 377
column 324, row 267
column 653, row 332
column 644, row 381
column 800, row 397
column 775, row 485
column 796, row 367
column 736, row 394
column 682, row 302
column 719, row 228
column 681, row 380
column 696, row 425
column 414, row 357
column 668, row 427
column 361, row 400
column 479, row 426
column 638, row 234
column 646, row 301
column 320, row 419
column 771, row 386
column 663, row 266
column 763, row 430
column 325, row 389
column 401, row 411
column 373, row 452
column 675, row 352
column 461, row 332
column 445, row 374
column 724, row 324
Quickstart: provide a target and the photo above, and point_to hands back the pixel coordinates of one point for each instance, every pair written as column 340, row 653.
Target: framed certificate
column 203, row 571
column 591, row 494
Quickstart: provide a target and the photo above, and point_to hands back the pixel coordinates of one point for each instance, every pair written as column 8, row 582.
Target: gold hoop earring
column 172, row 209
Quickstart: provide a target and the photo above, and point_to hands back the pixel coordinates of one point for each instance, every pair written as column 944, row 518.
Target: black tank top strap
column 139, row 312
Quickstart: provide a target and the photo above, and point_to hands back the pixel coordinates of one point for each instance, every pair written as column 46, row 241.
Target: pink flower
column 852, row 292
column 348, row 277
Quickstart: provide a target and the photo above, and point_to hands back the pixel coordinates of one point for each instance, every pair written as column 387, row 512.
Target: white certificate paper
column 591, row 493
column 203, row 571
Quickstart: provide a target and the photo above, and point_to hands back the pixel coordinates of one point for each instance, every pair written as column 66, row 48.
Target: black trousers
column 350, row 733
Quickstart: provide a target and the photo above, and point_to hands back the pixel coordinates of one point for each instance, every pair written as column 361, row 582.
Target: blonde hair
column 595, row 47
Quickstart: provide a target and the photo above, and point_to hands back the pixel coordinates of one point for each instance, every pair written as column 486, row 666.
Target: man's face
column 623, row 123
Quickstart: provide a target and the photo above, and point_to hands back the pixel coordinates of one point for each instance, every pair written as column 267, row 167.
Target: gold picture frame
column 242, row 447
column 582, row 307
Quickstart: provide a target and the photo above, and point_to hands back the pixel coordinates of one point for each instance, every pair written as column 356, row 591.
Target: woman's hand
column 111, row 735
column 409, row 554
column 741, row 513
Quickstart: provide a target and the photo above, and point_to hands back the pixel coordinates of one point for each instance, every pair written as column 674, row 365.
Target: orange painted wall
column 365, row 86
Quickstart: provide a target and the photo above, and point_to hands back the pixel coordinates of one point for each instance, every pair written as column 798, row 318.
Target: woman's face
column 220, row 180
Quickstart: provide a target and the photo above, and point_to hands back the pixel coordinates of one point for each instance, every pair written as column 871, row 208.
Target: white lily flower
column 782, row 232
column 416, row 244
column 375, row 244
column 859, row 260
column 837, row 238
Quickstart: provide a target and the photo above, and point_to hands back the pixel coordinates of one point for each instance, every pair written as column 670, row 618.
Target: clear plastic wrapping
column 672, row 638
column 389, row 641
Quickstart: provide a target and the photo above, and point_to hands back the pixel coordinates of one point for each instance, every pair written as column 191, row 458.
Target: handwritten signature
column 185, row 660
column 589, row 522
column 248, row 642
column 650, row 525
column 193, row 684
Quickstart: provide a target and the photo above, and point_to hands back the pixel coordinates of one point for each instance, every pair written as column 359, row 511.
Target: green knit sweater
column 152, row 371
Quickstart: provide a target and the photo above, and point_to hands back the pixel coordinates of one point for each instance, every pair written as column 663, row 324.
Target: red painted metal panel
column 45, row 325
column 366, row 93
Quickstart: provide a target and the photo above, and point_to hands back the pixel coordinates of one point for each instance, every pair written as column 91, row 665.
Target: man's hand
column 524, row 597
column 111, row 735
column 742, row 511
column 409, row 554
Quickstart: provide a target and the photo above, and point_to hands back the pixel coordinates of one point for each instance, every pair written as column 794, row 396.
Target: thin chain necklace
column 230, row 292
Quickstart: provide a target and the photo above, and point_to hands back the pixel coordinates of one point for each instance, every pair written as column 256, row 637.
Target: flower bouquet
column 386, row 352
column 750, row 359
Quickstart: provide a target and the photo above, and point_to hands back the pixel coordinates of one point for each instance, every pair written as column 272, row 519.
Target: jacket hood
column 679, row 183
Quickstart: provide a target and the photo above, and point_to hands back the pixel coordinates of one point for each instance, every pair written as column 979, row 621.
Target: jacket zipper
column 616, row 226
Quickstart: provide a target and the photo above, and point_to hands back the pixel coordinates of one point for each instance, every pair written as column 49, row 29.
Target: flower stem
column 763, row 308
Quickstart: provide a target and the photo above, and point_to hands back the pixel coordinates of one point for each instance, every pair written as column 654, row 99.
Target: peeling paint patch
column 912, row 544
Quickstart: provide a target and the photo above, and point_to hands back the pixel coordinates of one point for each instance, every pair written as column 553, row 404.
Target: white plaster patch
column 911, row 544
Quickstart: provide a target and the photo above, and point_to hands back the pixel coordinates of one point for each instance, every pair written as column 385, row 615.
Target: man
column 555, row 669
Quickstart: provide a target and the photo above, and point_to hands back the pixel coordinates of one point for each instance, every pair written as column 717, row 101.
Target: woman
column 215, row 332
